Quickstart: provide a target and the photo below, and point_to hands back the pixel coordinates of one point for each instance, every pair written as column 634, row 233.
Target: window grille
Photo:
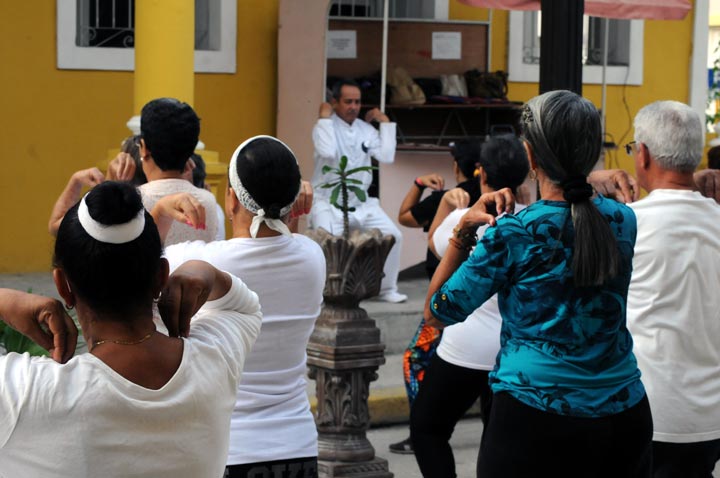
column 406, row 9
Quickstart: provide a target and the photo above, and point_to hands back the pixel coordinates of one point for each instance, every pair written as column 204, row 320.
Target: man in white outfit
column 339, row 132
column 672, row 307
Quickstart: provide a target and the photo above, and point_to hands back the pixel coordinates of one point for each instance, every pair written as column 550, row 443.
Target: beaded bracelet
column 457, row 244
column 465, row 238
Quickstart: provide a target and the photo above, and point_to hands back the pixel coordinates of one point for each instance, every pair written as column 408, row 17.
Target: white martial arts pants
column 368, row 215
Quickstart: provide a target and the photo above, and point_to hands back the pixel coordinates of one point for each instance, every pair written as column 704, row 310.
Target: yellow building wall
column 666, row 67
column 55, row 122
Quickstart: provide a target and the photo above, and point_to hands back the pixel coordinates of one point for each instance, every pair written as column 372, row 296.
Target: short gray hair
column 673, row 133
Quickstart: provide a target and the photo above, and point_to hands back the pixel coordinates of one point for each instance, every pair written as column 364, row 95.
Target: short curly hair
column 171, row 130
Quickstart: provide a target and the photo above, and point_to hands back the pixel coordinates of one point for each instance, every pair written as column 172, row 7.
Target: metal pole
column 383, row 74
column 606, row 35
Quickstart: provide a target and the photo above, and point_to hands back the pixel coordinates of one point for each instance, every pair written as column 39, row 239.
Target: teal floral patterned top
column 564, row 349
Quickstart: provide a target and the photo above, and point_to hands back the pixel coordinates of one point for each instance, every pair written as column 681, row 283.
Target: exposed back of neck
column 659, row 178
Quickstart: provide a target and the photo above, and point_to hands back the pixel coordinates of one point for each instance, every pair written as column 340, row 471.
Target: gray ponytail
column 564, row 132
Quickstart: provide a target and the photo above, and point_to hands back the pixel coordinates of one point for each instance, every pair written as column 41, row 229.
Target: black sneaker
column 402, row 448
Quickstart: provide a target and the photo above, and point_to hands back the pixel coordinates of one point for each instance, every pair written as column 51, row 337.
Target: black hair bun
column 113, row 202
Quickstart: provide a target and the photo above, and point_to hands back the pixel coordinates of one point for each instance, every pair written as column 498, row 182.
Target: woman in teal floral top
column 568, row 397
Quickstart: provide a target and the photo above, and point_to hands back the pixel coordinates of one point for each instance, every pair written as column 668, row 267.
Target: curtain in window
column 627, row 9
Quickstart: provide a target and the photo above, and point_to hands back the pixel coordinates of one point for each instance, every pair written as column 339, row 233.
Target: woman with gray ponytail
column 568, row 400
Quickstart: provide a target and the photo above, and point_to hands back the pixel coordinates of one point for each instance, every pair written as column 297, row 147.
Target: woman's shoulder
column 614, row 211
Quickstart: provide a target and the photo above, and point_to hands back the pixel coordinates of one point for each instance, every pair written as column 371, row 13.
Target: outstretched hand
column 41, row 319
column 485, row 210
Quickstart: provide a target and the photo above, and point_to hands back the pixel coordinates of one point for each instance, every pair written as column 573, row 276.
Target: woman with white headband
column 140, row 403
column 272, row 426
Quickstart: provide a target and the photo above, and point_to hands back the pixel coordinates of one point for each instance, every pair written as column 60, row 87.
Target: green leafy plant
column 13, row 341
column 342, row 185
column 714, row 90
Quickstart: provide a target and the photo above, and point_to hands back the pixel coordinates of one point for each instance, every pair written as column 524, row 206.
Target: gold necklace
column 120, row 342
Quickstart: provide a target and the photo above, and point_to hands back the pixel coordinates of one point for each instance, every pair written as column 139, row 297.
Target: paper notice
column 342, row 44
column 447, row 45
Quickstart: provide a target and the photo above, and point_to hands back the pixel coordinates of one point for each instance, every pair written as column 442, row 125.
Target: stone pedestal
column 344, row 353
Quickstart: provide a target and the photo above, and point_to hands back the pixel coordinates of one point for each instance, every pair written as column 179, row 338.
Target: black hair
column 171, row 130
column 565, row 134
column 504, row 161
column 199, row 173
column 269, row 172
column 713, row 156
column 130, row 146
column 111, row 278
column 466, row 153
column 338, row 85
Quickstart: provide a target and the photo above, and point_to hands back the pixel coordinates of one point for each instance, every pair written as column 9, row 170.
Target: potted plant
column 345, row 350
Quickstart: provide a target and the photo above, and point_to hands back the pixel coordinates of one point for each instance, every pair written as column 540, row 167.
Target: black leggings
column 521, row 441
column 446, row 393
column 686, row 460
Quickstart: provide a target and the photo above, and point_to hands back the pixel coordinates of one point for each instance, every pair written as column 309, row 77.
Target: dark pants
column 685, row 460
column 522, row 441
column 446, row 393
column 292, row 468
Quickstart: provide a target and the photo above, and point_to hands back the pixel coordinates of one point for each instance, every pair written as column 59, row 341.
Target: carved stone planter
column 345, row 351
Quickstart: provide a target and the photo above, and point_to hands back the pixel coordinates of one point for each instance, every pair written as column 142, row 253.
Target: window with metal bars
column 111, row 24
column 593, row 40
column 406, row 9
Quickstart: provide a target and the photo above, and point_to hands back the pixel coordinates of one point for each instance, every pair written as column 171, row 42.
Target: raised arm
column 708, row 183
column 433, row 181
column 324, row 134
column 182, row 207
column 456, row 198
column 482, row 212
column 382, row 144
column 616, row 184
column 85, row 178
column 188, row 288
column 42, row 319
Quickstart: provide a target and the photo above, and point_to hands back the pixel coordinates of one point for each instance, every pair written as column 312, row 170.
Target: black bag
column 485, row 84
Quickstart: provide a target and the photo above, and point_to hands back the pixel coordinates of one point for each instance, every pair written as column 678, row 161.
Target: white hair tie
column 247, row 200
column 111, row 234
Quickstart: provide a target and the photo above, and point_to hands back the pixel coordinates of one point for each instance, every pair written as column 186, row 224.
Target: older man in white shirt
column 339, row 132
column 673, row 311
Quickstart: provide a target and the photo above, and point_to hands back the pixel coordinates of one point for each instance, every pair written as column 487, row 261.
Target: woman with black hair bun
column 567, row 389
column 272, row 426
column 139, row 402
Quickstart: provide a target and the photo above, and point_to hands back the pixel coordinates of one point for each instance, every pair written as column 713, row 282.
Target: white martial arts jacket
column 333, row 138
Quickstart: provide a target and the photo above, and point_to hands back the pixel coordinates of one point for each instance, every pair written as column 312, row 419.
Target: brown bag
column 485, row 84
column 404, row 90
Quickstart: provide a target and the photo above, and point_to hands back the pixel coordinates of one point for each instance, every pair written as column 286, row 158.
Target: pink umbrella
column 628, row 9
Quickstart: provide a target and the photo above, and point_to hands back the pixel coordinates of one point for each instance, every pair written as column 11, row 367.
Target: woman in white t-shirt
column 272, row 426
column 458, row 372
column 140, row 403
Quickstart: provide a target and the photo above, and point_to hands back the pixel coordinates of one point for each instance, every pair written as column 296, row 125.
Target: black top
column 424, row 213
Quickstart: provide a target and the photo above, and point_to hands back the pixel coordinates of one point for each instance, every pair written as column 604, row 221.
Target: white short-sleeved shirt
column 673, row 312
column 84, row 419
column 475, row 342
column 151, row 193
column 272, row 418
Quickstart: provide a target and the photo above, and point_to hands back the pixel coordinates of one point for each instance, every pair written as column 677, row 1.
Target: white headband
column 114, row 234
column 249, row 203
